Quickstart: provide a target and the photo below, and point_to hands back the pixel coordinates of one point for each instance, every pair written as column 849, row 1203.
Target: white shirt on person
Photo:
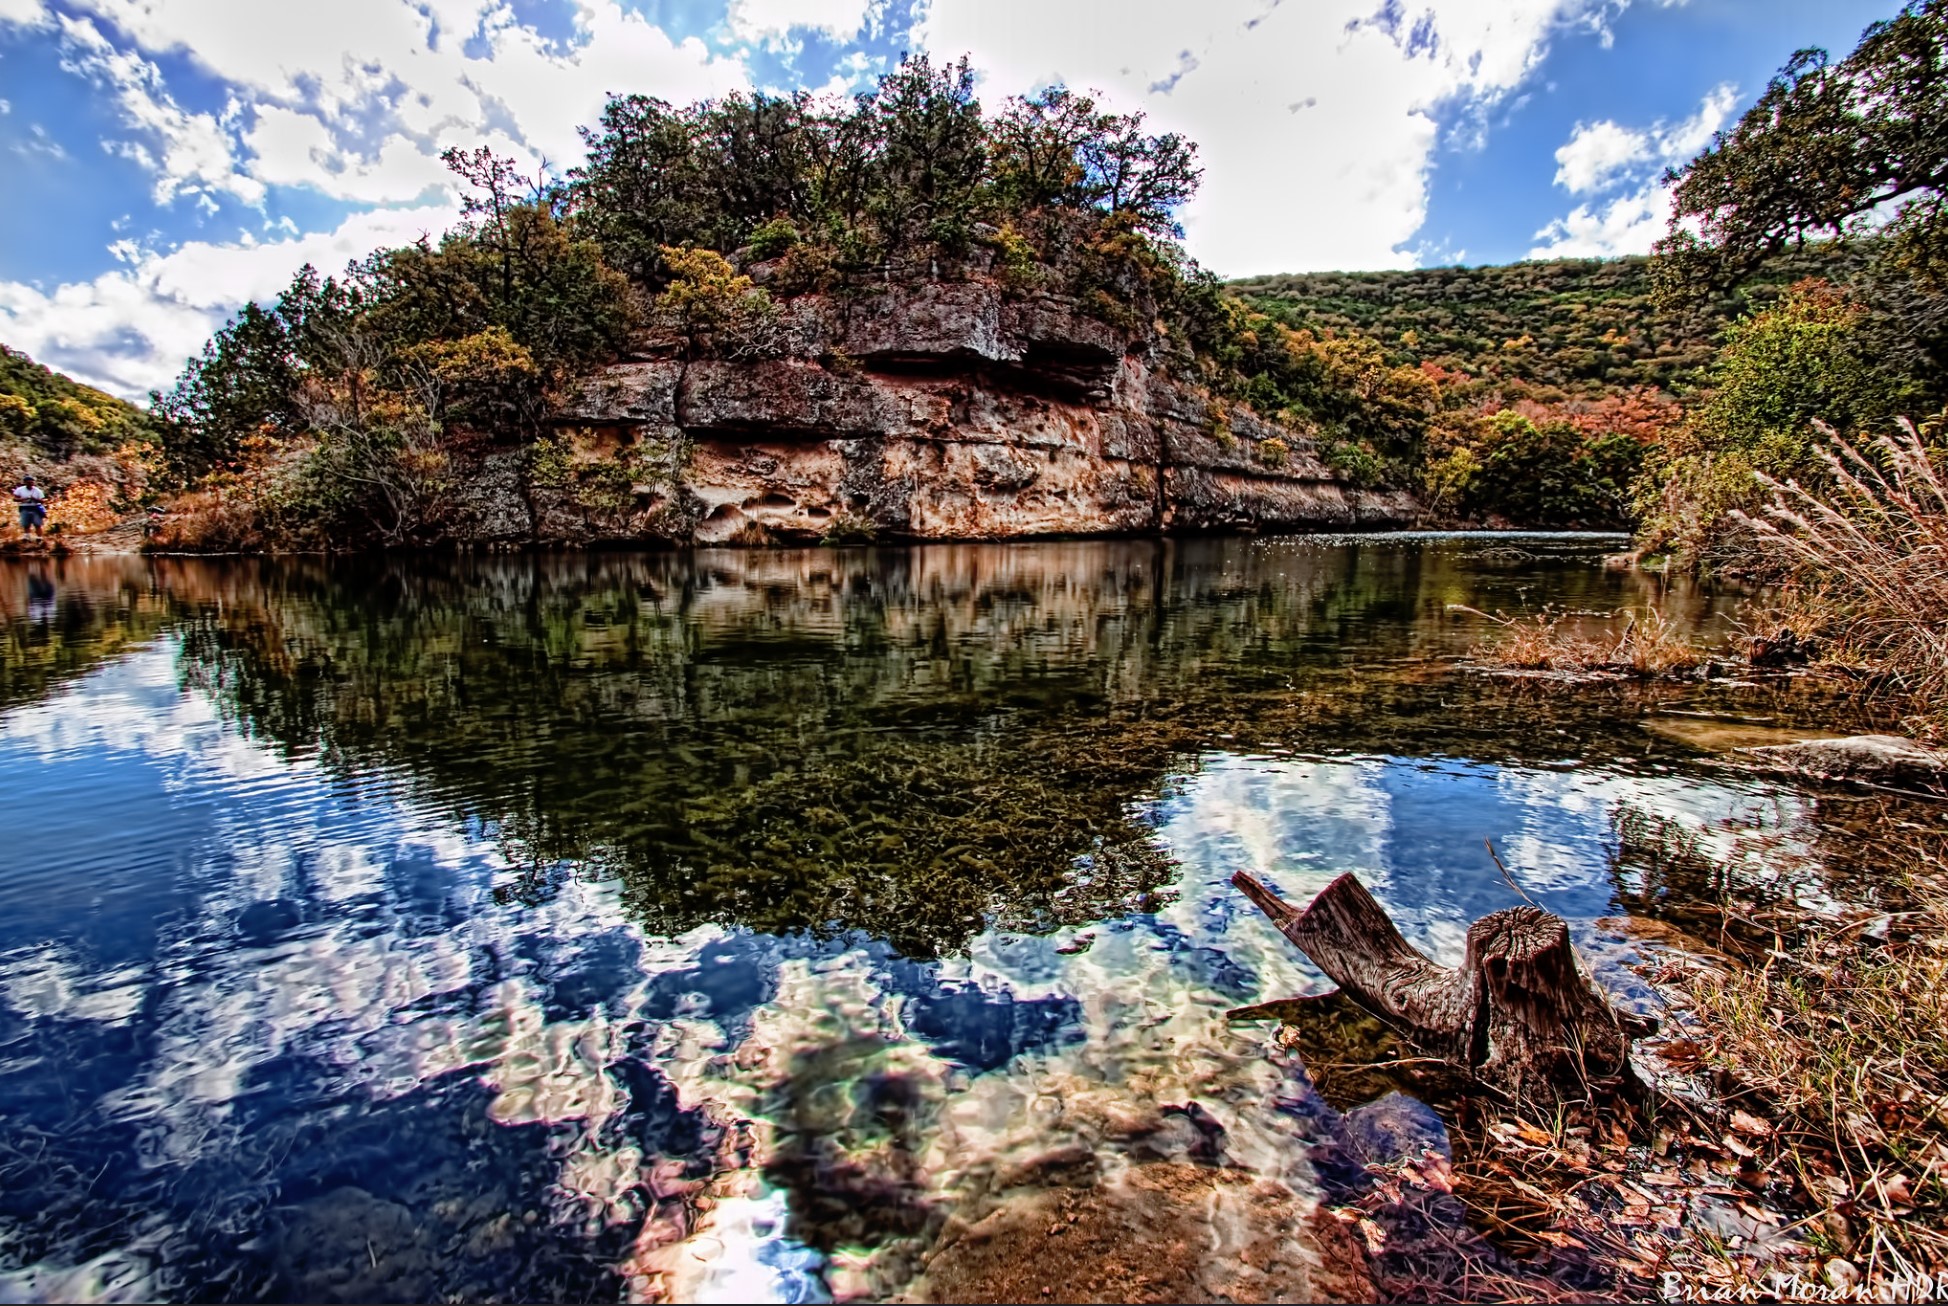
column 26, row 494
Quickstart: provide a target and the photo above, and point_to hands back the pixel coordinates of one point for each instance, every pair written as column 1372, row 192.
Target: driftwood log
column 1519, row 1014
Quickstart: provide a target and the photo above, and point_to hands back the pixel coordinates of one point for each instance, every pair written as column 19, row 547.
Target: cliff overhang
column 937, row 411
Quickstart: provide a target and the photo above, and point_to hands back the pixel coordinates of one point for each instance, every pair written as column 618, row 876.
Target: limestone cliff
column 944, row 410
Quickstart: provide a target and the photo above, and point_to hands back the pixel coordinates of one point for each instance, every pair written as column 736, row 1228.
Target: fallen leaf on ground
column 1746, row 1123
column 1555, row 1239
column 1681, row 1050
column 1893, row 1190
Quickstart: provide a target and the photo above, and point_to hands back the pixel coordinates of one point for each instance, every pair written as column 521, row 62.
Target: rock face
column 930, row 412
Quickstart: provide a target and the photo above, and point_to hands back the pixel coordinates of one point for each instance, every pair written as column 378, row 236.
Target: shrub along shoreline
column 1815, row 1039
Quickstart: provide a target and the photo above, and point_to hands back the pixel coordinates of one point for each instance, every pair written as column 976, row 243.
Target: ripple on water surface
column 348, row 954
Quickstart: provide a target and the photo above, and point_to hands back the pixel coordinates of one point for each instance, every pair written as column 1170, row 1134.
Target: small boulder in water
column 1877, row 758
column 1396, row 1128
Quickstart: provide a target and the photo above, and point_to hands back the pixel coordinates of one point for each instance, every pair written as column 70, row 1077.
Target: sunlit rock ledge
column 930, row 412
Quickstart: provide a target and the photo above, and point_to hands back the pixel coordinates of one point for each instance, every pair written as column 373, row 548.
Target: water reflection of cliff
column 905, row 742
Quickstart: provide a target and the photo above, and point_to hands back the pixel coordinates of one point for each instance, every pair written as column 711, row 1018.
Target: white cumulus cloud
column 358, row 98
column 1603, row 156
column 191, row 152
column 354, row 100
column 772, row 20
column 390, row 75
column 1597, row 153
column 1317, row 121
column 130, row 328
column 1628, row 224
column 1679, row 142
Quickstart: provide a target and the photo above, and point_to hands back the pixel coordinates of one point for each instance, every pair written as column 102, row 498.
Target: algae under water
column 742, row 925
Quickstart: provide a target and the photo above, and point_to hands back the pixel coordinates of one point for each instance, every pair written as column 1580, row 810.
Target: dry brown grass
column 1834, row 1046
column 86, row 507
column 1542, row 643
column 1647, row 645
column 1868, row 556
column 1650, row 645
column 210, row 520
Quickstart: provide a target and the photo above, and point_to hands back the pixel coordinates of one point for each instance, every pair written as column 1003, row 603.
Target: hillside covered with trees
column 59, row 417
column 1548, row 393
column 74, row 435
column 1551, row 329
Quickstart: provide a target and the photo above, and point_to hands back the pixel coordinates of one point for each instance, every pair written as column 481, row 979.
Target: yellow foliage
column 704, row 288
column 1446, row 480
column 84, row 416
column 16, row 414
column 1016, row 258
column 82, row 509
column 710, row 297
column 480, row 380
column 490, row 357
column 137, row 463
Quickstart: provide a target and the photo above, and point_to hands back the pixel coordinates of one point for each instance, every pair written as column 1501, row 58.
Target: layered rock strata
column 941, row 411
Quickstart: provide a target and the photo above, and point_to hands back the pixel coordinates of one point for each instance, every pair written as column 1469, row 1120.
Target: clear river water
column 725, row 925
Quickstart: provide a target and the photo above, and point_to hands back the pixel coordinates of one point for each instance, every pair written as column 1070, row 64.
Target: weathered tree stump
column 1519, row 1013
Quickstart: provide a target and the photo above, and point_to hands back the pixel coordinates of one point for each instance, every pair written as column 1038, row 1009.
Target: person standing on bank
column 32, row 502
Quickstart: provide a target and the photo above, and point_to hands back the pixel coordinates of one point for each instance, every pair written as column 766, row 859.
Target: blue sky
column 165, row 160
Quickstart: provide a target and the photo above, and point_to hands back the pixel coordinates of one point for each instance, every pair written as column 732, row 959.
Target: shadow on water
column 391, row 930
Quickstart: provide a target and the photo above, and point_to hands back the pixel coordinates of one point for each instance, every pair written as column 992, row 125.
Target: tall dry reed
column 1867, row 555
column 1649, row 644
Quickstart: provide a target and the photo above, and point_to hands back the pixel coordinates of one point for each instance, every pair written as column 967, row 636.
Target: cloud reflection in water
column 281, row 1026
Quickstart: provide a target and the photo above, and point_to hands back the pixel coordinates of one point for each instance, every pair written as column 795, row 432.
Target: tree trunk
column 1519, row 1013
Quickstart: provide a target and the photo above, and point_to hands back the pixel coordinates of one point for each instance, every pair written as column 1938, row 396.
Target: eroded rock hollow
column 938, row 411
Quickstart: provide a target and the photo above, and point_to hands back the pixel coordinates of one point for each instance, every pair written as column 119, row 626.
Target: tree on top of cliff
column 341, row 352
column 705, row 176
column 1058, row 149
column 911, row 168
column 932, row 154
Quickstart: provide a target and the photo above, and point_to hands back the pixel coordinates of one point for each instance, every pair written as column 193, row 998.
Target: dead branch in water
column 1519, row 1014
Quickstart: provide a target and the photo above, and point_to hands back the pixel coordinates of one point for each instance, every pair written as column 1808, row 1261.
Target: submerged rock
column 1395, row 1128
column 1881, row 759
column 1715, row 734
column 1164, row 1232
